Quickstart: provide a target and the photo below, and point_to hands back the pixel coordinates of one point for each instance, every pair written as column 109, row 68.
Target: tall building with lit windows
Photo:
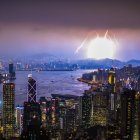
column 112, row 89
column 55, row 113
column 8, row 110
column 136, row 132
column 43, row 107
column 19, row 120
column 31, row 95
column 99, row 109
column 85, row 110
column 113, row 105
column 70, row 120
column 112, row 80
column 128, row 110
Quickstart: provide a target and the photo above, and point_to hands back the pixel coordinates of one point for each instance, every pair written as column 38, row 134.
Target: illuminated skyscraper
column 100, row 109
column 55, row 113
column 8, row 110
column 62, row 113
column 31, row 89
column 128, row 110
column 113, row 105
column 43, row 107
column 136, row 133
column 112, row 80
column 19, row 120
column 112, row 89
column 70, row 120
column 85, row 110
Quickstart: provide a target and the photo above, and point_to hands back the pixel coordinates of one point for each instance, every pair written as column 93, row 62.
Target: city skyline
column 59, row 28
column 70, row 70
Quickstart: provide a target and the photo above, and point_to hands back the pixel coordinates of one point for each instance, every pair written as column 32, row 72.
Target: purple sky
column 59, row 27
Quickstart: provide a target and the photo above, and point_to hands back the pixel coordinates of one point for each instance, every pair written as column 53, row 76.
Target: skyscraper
column 85, row 110
column 43, row 107
column 112, row 80
column 11, row 71
column 19, row 120
column 11, row 68
column 100, row 109
column 70, row 120
column 128, row 109
column 31, row 95
column 31, row 120
column 55, row 113
column 136, row 133
column 8, row 110
column 31, row 113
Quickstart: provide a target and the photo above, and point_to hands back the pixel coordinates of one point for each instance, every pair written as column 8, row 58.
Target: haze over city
column 59, row 28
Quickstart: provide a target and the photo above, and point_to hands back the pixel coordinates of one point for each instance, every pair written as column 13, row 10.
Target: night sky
column 59, row 27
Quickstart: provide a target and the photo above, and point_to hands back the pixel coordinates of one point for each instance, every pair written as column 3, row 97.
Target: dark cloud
column 89, row 14
column 52, row 26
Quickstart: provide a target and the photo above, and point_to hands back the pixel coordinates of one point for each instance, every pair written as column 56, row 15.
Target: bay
column 49, row 82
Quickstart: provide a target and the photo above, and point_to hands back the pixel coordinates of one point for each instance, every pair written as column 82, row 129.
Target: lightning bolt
column 106, row 34
column 81, row 46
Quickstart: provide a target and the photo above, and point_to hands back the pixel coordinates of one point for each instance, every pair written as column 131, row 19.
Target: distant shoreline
column 46, row 70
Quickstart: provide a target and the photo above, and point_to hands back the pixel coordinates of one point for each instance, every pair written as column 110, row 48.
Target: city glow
column 101, row 47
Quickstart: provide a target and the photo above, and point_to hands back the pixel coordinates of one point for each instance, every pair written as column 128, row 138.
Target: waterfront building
column 32, row 91
column 11, row 71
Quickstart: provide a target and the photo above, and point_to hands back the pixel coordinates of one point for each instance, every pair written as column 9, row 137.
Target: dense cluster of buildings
column 32, row 65
column 108, row 110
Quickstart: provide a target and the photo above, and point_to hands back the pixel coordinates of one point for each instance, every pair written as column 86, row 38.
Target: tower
column 128, row 111
column 8, row 110
column 112, row 88
column 31, row 113
column 113, row 105
column 112, row 80
column 31, row 95
column 19, row 120
column 85, row 110
column 43, row 107
column 11, row 71
column 31, row 120
column 11, row 68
